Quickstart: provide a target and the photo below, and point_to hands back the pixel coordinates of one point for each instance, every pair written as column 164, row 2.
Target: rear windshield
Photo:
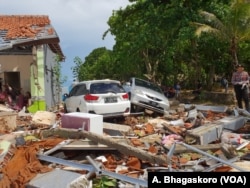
column 100, row 88
column 148, row 85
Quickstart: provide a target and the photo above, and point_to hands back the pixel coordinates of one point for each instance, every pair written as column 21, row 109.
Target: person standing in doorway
column 240, row 81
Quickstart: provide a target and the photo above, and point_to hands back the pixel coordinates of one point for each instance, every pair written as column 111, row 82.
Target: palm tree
column 234, row 28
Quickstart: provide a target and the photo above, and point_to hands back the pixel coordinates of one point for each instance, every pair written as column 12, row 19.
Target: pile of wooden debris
column 82, row 149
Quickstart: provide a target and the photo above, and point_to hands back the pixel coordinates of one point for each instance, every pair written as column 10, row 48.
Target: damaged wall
column 17, row 63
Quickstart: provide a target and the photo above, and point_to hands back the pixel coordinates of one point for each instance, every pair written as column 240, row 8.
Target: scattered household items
column 83, row 121
column 84, row 150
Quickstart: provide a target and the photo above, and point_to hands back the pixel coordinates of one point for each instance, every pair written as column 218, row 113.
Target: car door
column 75, row 98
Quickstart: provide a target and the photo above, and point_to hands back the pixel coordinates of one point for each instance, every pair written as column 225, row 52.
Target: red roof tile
column 33, row 27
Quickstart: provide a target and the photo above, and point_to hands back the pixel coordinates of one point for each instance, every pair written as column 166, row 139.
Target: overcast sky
column 79, row 24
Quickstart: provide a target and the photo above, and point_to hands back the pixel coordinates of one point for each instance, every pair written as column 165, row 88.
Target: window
column 99, row 88
column 81, row 90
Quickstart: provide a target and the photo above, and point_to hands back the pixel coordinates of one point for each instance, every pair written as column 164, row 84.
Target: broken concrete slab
column 4, row 147
column 116, row 130
column 119, row 127
column 232, row 122
column 207, row 133
column 44, row 117
column 243, row 164
column 8, row 121
column 4, row 108
column 210, row 132
column 9, row 137
column 55, row 179
column 86, row 144
column 206, row 108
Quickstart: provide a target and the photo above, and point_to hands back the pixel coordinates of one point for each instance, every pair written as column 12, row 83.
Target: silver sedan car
column 146, row 95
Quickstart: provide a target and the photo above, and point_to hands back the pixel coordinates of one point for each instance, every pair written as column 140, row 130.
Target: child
column 177, row 88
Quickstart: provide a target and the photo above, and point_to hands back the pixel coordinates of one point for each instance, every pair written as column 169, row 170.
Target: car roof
column 87, row 82
column 135, row 78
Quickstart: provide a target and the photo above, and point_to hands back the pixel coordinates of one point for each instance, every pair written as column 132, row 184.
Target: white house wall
column 17, row 63
column 51, row 91
column 43, row 88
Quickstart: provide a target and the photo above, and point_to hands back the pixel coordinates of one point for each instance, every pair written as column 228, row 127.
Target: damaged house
column 29, row 52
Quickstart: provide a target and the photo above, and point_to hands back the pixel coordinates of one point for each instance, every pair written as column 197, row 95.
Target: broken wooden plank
column 126, row 149
column 182, row 149
column 87, row 145
column 173, row 129
column 111, row 142
column 62, row 133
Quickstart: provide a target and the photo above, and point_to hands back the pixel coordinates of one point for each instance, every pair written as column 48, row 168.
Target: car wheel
column 135, row 108
column 129, row 96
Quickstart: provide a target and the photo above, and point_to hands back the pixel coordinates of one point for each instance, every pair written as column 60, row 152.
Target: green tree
column 141, row 39
column 154, row 40
column 97, row 65
column 233, row 27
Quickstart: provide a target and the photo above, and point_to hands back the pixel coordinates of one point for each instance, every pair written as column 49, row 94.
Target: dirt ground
column 187, row 97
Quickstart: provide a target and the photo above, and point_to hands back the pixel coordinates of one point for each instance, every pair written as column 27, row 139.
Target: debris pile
column 36, row 148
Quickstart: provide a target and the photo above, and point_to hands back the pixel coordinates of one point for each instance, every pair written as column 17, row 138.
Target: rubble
column 82, row 149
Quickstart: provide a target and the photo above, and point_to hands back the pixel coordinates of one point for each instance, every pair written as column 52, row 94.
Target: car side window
column 73, row 91
column 81, row 90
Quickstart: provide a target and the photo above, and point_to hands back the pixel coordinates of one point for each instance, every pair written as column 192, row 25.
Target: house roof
column 28, row 30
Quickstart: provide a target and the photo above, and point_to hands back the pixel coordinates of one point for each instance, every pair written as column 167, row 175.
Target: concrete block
column 55, row 179
column 85, row 121
column 206, row 108
column 8, row 121
column 44, row 117
column 207, row 133
column 118, row 127
column 232, row 122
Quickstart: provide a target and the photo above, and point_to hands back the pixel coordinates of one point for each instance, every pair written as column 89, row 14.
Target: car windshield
column 149, row 85
column 100, row 88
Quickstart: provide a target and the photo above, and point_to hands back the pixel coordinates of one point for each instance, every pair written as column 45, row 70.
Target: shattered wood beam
column 126, row 149
column 182, row 149
column 121, row 147
column 62, row 133
column 172, row 129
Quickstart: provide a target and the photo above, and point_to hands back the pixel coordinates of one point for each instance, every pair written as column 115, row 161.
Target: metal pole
column 213, row 157
column 170, row 154
column 57, row 147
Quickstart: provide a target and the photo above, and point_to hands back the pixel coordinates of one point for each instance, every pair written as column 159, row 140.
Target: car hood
column 152, row 93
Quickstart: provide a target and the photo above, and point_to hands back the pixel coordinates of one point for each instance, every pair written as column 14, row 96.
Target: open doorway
column 13, row 79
